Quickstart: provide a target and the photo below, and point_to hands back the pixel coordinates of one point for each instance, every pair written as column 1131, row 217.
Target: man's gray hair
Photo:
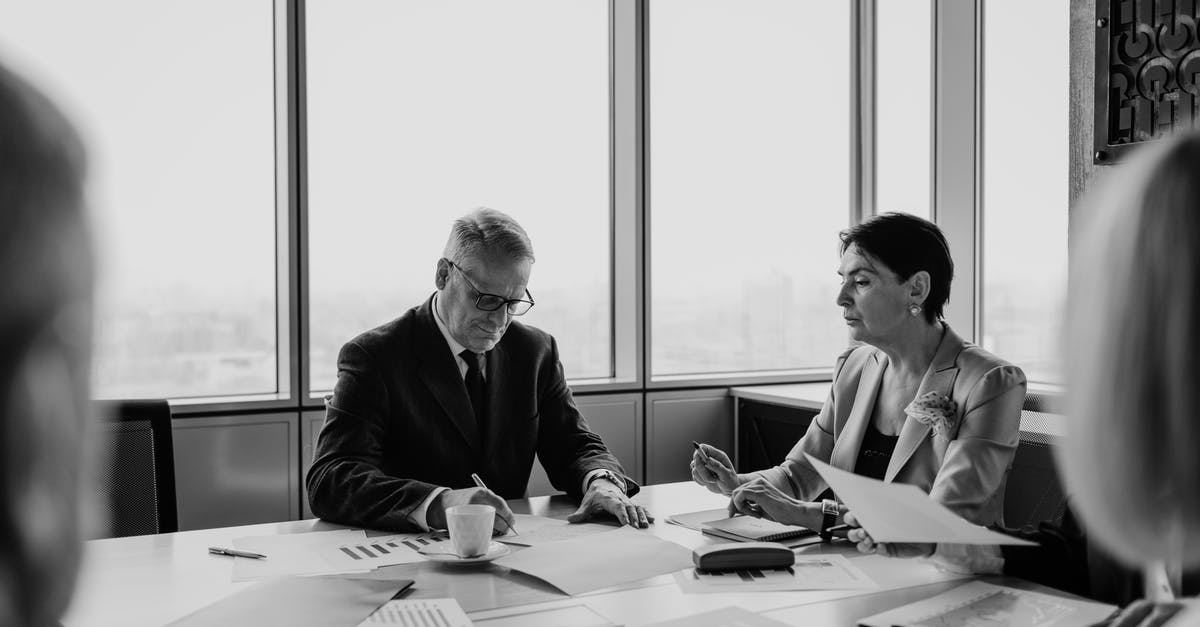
column 485, row 230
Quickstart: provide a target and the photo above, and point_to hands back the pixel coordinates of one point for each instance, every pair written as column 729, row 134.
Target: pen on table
column 479, row 482
column 216, row 550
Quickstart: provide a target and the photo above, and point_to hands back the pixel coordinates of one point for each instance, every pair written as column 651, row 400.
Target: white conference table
column 153, row 580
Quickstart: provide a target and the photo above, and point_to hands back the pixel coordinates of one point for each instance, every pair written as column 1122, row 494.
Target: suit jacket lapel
column 439, row 372
column 845, row 450
column 938, row 378
column 497, row 397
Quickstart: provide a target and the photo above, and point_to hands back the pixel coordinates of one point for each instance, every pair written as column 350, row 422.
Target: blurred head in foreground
column 1132, row 456
column 45, row 337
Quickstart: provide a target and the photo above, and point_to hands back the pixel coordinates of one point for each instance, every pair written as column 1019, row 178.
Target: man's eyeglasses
column 492, row 302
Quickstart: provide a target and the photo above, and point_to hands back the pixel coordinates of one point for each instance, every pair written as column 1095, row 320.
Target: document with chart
column 979, row 604
column 370, row 553
column 419, row 612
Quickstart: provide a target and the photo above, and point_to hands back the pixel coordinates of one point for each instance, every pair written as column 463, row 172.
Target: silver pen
column 479, row 482
column 216, row 550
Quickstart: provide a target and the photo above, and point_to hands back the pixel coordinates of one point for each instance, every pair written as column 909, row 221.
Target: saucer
column 444, row 552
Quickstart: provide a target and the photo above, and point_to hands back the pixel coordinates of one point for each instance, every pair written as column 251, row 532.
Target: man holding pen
column 453, row 388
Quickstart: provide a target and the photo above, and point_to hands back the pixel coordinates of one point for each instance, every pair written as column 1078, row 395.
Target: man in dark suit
column 453, row 387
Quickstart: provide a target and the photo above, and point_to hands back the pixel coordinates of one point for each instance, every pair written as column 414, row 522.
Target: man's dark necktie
column 474, row 381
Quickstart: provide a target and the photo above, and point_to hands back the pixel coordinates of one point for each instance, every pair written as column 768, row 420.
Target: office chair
column 137, row 476
column 1034, row 492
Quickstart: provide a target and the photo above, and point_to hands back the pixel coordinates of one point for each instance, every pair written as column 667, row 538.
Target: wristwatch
column 829, row 514
column 610, row 475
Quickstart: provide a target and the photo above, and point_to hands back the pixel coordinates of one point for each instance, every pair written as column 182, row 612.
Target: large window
column 738, row 120
column 176, row 103
column 903, row 106
column 1025, row 194
column 749, row 182
column 421, row 111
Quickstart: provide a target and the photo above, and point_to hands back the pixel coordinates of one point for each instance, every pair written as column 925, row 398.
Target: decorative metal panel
column 1147, row 72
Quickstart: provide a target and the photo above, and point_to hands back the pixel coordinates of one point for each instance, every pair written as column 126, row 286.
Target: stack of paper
column 326, row 552
column 599, row 560
column 576, row 615
column 534, row 530
column 297, row 602
column 724, row 617
column 293, row 554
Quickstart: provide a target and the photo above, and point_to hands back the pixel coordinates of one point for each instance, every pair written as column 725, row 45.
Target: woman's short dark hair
column 907, row 244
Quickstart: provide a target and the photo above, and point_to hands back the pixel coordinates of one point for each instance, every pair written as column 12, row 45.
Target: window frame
column 956, row 199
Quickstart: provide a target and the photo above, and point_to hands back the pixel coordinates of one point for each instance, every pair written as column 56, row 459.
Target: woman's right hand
column 867, row 544
column 712, row 469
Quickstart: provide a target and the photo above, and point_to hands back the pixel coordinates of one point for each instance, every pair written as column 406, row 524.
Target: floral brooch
column 936, row 410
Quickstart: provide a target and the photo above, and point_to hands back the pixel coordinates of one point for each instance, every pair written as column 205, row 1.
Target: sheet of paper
column 898, row 512
column 376, row 552
column 423, row 612
column 724, row 617
column 810, row 572
column 297, row 602
column 694, row 520
column 292, row 554
column 574, row 615
column 534, row 530
column 978, row 604
column 599, row 560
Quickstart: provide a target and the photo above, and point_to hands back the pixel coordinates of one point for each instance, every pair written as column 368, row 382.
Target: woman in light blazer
column 1132, row 341
column 912, row 403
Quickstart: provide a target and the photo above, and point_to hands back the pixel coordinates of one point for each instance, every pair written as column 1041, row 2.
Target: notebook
column 751, row 529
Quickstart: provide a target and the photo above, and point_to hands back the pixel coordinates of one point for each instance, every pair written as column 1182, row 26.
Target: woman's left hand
column 867, row 544
column 760, row 499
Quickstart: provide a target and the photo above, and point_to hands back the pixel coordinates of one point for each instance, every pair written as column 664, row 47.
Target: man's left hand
column 604, row 495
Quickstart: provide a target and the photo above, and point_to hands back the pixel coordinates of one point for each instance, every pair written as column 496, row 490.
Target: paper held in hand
column 898, row 512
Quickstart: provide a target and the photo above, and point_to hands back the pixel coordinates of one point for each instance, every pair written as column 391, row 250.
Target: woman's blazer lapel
column 849, row 439
column 940, row 376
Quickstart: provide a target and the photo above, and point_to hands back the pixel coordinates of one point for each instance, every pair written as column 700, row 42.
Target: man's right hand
column 435, row 516
column 712, row 469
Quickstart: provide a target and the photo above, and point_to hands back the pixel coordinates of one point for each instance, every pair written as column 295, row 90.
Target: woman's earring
column 914, row 309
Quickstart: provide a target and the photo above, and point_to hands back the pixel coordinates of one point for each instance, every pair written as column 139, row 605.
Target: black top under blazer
column 400, row 424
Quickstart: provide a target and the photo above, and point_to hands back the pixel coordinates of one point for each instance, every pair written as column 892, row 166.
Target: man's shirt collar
column 455, row 347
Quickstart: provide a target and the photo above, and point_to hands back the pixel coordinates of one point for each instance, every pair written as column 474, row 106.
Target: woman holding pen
column 911, row 402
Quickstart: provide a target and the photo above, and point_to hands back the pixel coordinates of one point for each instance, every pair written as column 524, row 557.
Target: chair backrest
column 138, row 467
column 766, row 433
column 1035, row 493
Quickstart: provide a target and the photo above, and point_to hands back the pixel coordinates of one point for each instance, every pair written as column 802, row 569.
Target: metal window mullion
column 285, row 200
column 628, row 163
column 862, row 103
column 299, row 227
column 956, row 153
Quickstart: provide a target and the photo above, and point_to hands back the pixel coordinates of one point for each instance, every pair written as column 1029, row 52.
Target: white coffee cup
column 470, row 528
